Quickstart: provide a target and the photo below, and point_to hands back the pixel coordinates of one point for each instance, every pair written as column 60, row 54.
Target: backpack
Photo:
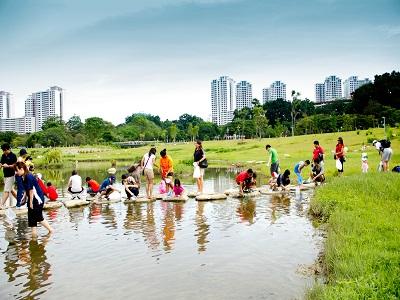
column 385, row 144
column 396, row 169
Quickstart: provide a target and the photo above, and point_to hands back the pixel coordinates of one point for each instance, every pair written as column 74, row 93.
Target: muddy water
column 232, row 249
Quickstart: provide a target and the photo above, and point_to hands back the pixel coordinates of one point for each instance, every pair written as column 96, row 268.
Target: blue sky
column 118, row 57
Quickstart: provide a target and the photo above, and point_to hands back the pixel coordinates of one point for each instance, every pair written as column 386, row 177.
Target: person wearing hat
column 107, row 186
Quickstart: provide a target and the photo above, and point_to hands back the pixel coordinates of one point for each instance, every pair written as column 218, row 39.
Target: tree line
column 369, row 106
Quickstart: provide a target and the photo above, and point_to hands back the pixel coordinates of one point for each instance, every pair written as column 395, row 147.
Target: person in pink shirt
column 178, row 189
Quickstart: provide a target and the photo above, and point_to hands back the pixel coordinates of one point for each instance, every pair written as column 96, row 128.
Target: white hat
column 112, row 171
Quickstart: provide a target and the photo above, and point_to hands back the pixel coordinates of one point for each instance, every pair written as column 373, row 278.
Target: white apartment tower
column 42, row 105
column 277, row 90
column 223, row 102
column 351, row 84
column 6, row 105
column 244, row 95
column 319, row 92
column 265, row 95
column 331, row 89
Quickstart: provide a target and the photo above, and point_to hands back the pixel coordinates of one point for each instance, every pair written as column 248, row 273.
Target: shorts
column 134, row 190
column 149, row 174
column 9, row 183
column 387, row 154
column 35, row 215
column 274, row 167
column 202, row 172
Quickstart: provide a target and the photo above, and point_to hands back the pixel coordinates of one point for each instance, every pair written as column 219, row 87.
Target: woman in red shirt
column 339, row 155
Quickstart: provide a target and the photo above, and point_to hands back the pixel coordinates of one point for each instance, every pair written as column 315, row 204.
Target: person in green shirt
column 273, row 161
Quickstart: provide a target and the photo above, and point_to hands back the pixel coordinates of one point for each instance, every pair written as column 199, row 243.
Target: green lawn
column 362, row 250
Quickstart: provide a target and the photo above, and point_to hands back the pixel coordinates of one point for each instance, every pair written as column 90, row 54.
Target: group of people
column 19, row 172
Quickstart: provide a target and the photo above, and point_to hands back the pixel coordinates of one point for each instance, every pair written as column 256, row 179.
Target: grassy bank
column 362, row 251
column 246, row 153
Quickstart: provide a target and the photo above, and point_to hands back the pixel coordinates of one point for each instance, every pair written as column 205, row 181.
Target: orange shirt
column 166, row 165
column 93, row 185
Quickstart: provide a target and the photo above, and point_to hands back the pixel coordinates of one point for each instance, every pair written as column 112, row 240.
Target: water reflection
column 280, row 204
column 246, row 210
column 25, row 262
column 168, row 225
column 202, row 228
column 149, row 228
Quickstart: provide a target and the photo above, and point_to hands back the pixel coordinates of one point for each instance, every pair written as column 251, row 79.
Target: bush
column 53, row 156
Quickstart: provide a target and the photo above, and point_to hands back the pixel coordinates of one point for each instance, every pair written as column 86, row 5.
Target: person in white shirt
column 147, row 164
column 75, row 183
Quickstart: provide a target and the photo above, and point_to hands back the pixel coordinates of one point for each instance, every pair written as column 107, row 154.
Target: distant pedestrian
column 364, row 162
column 318, row 153
column 200, row 164
column 385, row 151
column 273, row 161
column 339, row 155
column 8, row 160
column 147, row 164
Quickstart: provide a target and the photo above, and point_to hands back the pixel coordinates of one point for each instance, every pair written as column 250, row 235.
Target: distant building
column 331, row 89
column 223, row 102
column 42, row 105
column 19, row 125
column 6, row 105
column 265, row 95
column 319, row 92
column 244, row 95
column 277, row 90
column 353, row 83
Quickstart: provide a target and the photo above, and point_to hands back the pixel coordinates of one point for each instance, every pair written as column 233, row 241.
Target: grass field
column 362, row 250
column 246, row 153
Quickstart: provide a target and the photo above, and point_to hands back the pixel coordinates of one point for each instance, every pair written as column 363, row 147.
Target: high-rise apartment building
column 223, row 102
column 331, row 89
column 244, row 95
column 277, row 90
column 319, row 92
column 42, row 105
column 265, row 95
column 351, row 84
column 6, row 105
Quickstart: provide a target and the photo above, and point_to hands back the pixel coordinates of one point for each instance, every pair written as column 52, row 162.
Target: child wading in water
column 297, row 170
column 178, row 188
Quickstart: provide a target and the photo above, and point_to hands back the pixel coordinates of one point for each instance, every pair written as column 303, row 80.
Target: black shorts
column 134, row 191
column 35, row 215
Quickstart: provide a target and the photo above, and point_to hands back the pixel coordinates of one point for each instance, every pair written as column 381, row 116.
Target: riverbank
column 362, row 257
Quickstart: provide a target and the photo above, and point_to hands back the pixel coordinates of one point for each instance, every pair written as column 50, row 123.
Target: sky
column 115, row 58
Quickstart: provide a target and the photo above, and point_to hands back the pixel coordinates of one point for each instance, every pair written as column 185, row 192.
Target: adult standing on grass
column 318, row 153
column 273, row 161
column 8, row 160
column 35, row 199
column 147, row 164
column 339, row 155
column 199, row 158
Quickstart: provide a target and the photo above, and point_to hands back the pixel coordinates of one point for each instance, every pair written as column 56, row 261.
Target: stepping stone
column 211, row 197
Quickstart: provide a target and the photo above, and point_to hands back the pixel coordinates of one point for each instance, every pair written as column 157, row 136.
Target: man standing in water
column 273, row 161
column 8, row 160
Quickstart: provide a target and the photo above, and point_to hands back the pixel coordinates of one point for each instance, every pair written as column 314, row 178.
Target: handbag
column 203, row 164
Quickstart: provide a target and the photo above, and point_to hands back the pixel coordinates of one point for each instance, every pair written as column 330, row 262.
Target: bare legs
column 149, row 188
column 200, row 183
column 46, row 225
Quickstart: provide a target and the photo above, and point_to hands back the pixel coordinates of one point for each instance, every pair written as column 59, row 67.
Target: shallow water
column 231, row 249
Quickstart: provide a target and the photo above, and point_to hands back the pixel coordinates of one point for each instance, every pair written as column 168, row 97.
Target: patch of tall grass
column 362, row 251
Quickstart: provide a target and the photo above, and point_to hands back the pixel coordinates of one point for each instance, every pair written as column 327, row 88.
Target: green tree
column 7, row 137
column 190, row 131
column 74, row 124
column 195, row 131
column 53, row 136
column 95, row 127
column 173, row 130
column 52, row 122
column 259, row 120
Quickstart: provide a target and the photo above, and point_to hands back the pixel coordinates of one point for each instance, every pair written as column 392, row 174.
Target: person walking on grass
column 339, row 155
column 35, row 199
column 199, row 158
column 298, row 168
column 147, row 164
column 8, row 160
